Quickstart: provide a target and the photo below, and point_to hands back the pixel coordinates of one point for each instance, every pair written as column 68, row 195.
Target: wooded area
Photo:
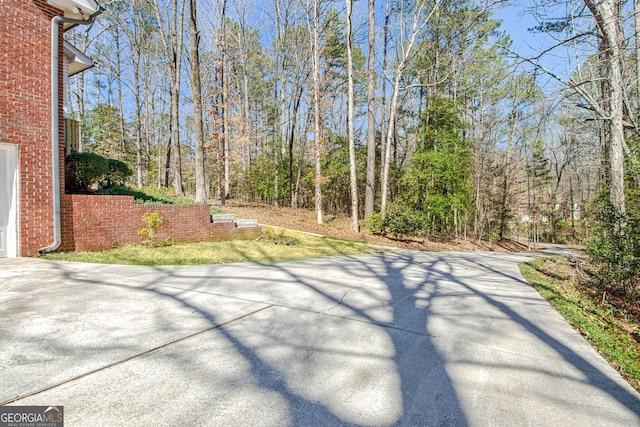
column 416, row 118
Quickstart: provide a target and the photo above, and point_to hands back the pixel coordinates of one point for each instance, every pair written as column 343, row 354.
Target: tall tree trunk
column 369, row 200
column 247, row 114
column 317, row 139
column 276, row 144
column 352, row 150
column 175, row 139
column 607, row 14
column 176, row 65
column 386, row 161
column 138, row 102
column 196, row 89
column 294, row 123
column 121, row 129
column 136, row 43
column 167, row 165
column 172, row 38
column 280, row 131
column 217, row 133
column 282, row 137
column 572, row 209
column 504, row 209
column 152, row 135
column 383, row 104
column 224, row 187
column 479, row 172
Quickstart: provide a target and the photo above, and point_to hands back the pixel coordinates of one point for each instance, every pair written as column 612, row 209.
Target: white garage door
column 8, row 234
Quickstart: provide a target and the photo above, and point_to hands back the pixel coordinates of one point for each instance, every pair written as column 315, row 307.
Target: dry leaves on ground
column 340, row 227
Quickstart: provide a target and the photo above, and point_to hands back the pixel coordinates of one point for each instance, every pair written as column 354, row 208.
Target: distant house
column 34, row 63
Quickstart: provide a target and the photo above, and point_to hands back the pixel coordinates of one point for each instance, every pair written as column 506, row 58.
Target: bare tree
column 383, row 102
column 196, row 91
column 352, row 150
column 171, row 29
column 138, row 34
column 224, row 104
column 607, row 103
column 280, row 128
column 417, row 25
column 369, row 200
column 317, row 135
column 608, row 17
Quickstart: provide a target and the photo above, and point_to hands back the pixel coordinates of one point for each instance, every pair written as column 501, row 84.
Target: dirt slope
column 339, row 227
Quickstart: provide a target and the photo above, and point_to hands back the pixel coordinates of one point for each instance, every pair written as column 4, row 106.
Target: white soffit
column 76, row 9
column 78, row 61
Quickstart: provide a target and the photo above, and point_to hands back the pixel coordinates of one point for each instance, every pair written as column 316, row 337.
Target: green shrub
column 118, row 173
column 399, row 221
column 615, row 251
column 375, row 223
column 82, row 170
column 403, row 221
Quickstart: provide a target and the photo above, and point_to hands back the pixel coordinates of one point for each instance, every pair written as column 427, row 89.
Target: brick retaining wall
column 91, row 222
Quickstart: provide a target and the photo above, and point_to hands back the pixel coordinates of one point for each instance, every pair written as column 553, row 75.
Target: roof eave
column 78, row 61
column 77, row 9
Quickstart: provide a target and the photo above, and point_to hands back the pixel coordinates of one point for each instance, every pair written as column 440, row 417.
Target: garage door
column 8, row 235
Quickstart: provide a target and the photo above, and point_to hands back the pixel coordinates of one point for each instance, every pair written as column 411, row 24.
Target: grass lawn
column 273, row 246
column 609, row 329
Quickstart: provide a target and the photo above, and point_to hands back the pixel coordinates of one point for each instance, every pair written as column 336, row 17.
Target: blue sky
column 516, row 20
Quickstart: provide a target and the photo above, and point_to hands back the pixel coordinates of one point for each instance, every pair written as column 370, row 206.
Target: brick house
column 32, row 72
column 36, row 215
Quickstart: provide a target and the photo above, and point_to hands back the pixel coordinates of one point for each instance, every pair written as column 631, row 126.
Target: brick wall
column 25, row 112
column 92, row 222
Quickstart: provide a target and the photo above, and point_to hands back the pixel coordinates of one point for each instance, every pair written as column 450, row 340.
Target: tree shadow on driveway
column 386, row 339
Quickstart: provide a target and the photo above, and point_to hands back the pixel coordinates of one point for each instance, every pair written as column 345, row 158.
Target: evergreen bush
column 399, row 221
column 82, row 170
column 118, row 173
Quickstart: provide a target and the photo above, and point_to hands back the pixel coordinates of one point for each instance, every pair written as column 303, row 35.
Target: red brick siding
column 100, row 222
column 25, row 112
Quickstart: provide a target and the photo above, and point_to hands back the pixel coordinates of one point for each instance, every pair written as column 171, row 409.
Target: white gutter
column 55, row 125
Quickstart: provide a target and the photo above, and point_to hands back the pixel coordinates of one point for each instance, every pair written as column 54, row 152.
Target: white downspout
column 55, row 125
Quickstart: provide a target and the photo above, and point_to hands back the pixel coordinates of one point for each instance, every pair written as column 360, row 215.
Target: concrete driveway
column 407, row 338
